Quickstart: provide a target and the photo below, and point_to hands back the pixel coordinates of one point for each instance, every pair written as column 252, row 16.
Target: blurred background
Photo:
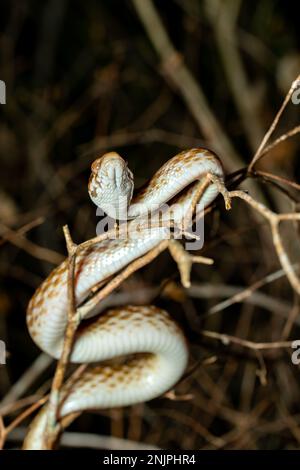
column 149, row 79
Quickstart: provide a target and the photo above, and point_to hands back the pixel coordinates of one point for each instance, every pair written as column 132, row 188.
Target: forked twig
column 262, row 150
column 227, row 339
column 274, row 221
column 75, row 314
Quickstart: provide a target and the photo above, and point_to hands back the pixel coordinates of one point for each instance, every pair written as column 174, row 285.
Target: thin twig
column 27, row 378
column 223, row 16
column 267, row 136
column 176, row 70
column 274, row 220
column 280, row 179
column 227, row 339
column 53, row 428
column 280, row 139
column 119, row 278
column 26, row 228
column 39, row 252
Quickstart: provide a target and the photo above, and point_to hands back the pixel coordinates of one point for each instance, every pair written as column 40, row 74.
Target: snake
column 152, row 343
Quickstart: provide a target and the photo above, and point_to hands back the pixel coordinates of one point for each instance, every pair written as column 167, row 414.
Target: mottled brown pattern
column 114, row 375
column 175, row 166
column 150, row 318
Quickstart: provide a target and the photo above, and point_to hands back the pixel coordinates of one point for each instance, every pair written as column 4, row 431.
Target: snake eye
column 95, row 166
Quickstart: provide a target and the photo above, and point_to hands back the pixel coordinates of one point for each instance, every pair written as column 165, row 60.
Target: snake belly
column 154, row 344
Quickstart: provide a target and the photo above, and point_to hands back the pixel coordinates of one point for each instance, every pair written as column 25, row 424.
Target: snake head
column 111, row 185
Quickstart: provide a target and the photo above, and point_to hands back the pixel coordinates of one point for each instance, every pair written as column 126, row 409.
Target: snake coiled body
column 149, row 333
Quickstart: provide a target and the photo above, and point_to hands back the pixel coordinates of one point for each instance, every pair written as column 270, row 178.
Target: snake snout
column 112, row 167
column 110, row 158
column 111, row 185
column 115, row 173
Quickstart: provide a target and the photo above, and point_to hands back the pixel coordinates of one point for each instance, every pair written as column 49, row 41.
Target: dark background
column 83, row 78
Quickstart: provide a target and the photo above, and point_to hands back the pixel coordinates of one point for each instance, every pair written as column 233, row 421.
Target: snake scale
column 154, row 344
